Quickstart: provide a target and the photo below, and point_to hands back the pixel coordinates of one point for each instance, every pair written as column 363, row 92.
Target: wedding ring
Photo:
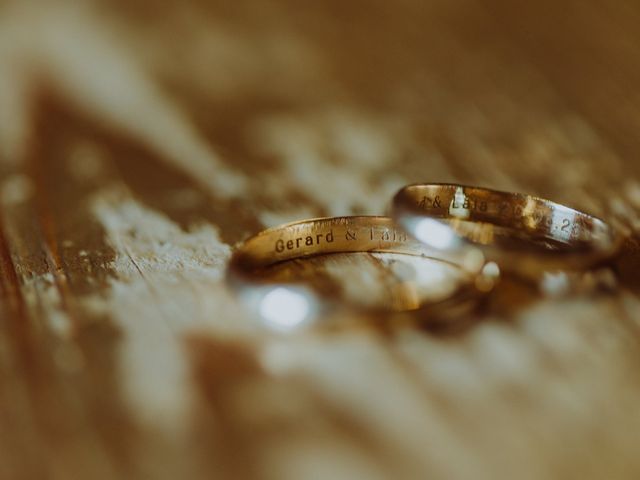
column 521, row 233
column 288, row 305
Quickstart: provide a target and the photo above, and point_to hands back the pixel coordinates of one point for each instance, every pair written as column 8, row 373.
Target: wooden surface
column 139, row 143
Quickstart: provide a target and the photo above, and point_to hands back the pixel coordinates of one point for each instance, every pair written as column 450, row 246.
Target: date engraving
column 502, row 211
column 528, row 214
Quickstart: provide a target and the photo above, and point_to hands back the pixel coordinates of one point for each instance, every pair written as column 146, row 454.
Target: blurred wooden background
column 139, row 142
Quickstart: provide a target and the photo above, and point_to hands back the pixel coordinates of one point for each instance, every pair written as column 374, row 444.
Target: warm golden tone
column 432, row 283
column 529, row 235
column 141, row 141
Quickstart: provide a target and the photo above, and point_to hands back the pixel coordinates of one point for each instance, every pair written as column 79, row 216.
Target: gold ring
column 521, row 233
column 324, row 236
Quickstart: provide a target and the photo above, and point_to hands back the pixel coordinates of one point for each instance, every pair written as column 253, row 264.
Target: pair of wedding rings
column 473, row 233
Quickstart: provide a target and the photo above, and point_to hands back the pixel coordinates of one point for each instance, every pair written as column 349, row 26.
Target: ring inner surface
column 368, row 261
column 327, row 236
column 378, row 280
column 507, row 220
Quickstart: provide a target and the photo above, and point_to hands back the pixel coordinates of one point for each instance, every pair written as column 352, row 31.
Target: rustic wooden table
column 139, row 143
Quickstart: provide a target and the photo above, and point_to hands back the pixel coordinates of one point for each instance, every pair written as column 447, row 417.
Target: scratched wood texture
column 140, row 141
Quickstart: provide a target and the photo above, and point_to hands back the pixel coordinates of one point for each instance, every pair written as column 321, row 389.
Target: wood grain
column 139, row 142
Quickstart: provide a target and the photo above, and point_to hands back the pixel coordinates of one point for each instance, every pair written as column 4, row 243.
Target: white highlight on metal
column 491, row 270
column 436, row 234
column 457, row 209
column 285, row 308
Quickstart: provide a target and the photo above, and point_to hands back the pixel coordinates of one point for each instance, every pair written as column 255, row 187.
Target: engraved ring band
column 523, row 234
column 324, row 236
